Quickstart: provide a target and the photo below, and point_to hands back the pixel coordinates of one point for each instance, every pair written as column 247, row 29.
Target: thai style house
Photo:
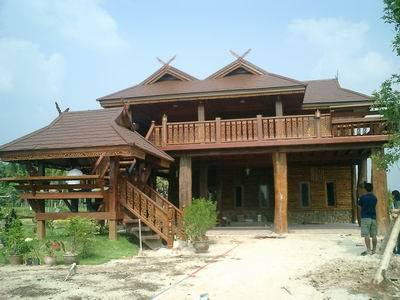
column 265, row 147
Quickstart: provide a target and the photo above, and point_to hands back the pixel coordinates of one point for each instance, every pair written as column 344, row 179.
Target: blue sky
column 77, row 51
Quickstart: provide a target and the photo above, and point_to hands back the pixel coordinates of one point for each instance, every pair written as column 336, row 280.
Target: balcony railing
column 262, row 129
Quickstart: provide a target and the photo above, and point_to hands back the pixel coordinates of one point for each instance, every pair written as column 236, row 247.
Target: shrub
column 81, row 233
column 199, row 217
column 14, row 238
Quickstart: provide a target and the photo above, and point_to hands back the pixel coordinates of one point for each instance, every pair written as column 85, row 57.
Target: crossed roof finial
column 165, row 64
column 240, row 56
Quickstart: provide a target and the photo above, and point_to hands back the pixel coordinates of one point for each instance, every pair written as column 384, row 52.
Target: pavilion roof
column 329, row 92
column 81, row 133
column 239, row 78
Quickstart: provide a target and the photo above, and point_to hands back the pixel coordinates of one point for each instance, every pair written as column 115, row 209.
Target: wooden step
column 130, row 221
column 150, row 237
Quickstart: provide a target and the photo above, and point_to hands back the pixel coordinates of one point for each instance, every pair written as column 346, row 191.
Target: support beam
column 203, row 181
column 41, row 208
column 379, row 182
column 112, row 204
column 354, row 205
column 279, row 161
column 112, row 230
column 278, row 107
column 201, row 111
column 361, row 178
column 185, row 181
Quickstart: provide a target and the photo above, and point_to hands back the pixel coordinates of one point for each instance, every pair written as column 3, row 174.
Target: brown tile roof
column 83, row 129
column 329, row 91
column 243, row 82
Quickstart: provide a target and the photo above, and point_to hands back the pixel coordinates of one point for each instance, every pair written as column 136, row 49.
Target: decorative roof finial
column 240, row 56
column 165, row 64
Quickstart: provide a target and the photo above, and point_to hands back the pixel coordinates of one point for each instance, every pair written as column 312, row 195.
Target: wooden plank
column 112, row 230
column 69, row 195
column 66, row 215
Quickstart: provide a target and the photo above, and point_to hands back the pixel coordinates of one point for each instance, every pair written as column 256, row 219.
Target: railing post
column 170, row 241
column 151, row 129
column 218, row 130
column 317, row 123
column 164, row 130
column 259, row 128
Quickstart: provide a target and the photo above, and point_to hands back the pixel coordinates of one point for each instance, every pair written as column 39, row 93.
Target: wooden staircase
column 161, row 220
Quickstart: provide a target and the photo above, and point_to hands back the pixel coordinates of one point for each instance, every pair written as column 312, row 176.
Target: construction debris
column 71, row 272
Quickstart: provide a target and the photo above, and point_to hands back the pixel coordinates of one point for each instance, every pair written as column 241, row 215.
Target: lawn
column 103, row 249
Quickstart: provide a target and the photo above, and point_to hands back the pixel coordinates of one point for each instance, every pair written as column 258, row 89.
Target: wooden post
column 317, row 120
column 218, row 130
column 361, row 178
column 279, row 161
column 379, row 182
column 185, row 181
column 259, row 128
column 113, row 197
column 200, row 111
column 203, row 181
column 41, row 208
column 353, row 194
column 112, row 230
column 278, row 107
column 164, row 130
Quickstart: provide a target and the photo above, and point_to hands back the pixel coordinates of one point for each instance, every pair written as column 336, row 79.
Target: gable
column 239, row 66
column 167, row 73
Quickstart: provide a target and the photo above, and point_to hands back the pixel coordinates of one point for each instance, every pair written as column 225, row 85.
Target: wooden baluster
column 218, row 130
column 260, row 136
column 212, row 136
column 170, row 233
column 164, row 130
column 228, row 137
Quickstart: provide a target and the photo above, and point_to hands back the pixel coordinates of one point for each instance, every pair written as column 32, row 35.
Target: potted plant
column 199, row 217
column 81, row 233
column 14, row 242
column 51, row 247
column 32, row 253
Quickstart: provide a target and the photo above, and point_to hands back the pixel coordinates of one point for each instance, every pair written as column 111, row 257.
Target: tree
column 387, row 98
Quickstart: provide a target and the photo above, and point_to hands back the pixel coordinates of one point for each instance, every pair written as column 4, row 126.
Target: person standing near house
column 367, row 203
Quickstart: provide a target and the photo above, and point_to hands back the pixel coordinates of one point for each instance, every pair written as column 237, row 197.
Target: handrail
column 177, row 215
column 144, row 208
column 149, row 133
column 222, row 131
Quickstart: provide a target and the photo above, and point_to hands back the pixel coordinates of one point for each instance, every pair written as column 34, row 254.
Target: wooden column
column 203, row 181
column 379, row 182
column 279, row 161
column 361, row 178
column 278, row 107
column 41, row 208
column 185, row 181
column 354, row 205
column 200, row 111
column 113, row 198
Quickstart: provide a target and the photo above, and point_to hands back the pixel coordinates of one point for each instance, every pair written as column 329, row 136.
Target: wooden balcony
column 286, row 130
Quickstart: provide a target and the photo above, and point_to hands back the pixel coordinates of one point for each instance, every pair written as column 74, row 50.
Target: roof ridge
column 286, row 78
column 325, row 79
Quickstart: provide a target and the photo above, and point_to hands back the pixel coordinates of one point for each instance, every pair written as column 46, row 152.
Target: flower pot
column 69, row 259
column 32, row 261
column 15, row 259
column 201, row 246
column 50, row 260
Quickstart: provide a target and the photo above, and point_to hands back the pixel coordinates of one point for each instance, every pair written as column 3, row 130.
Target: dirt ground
column 242, row 265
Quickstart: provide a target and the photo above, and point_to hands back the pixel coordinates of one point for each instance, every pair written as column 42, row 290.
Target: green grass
column 103, row 249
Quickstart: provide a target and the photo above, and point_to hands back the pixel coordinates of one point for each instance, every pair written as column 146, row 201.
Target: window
column 238, row 196
column 330, row 193
column 263, row 195
column 305, row 194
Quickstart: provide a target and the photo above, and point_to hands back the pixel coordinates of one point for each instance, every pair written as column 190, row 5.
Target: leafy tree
column 387, row 98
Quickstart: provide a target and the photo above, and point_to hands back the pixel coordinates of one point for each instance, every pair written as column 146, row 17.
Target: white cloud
column 83, row 22
column 342, row 45
column 26, row 70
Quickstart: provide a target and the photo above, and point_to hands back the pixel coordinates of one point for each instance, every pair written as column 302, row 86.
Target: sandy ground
column 240, row 265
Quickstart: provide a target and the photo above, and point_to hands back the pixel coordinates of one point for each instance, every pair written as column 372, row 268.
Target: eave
column 107, row 103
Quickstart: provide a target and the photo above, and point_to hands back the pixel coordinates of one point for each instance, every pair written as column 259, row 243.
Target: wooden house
column 263, row 146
